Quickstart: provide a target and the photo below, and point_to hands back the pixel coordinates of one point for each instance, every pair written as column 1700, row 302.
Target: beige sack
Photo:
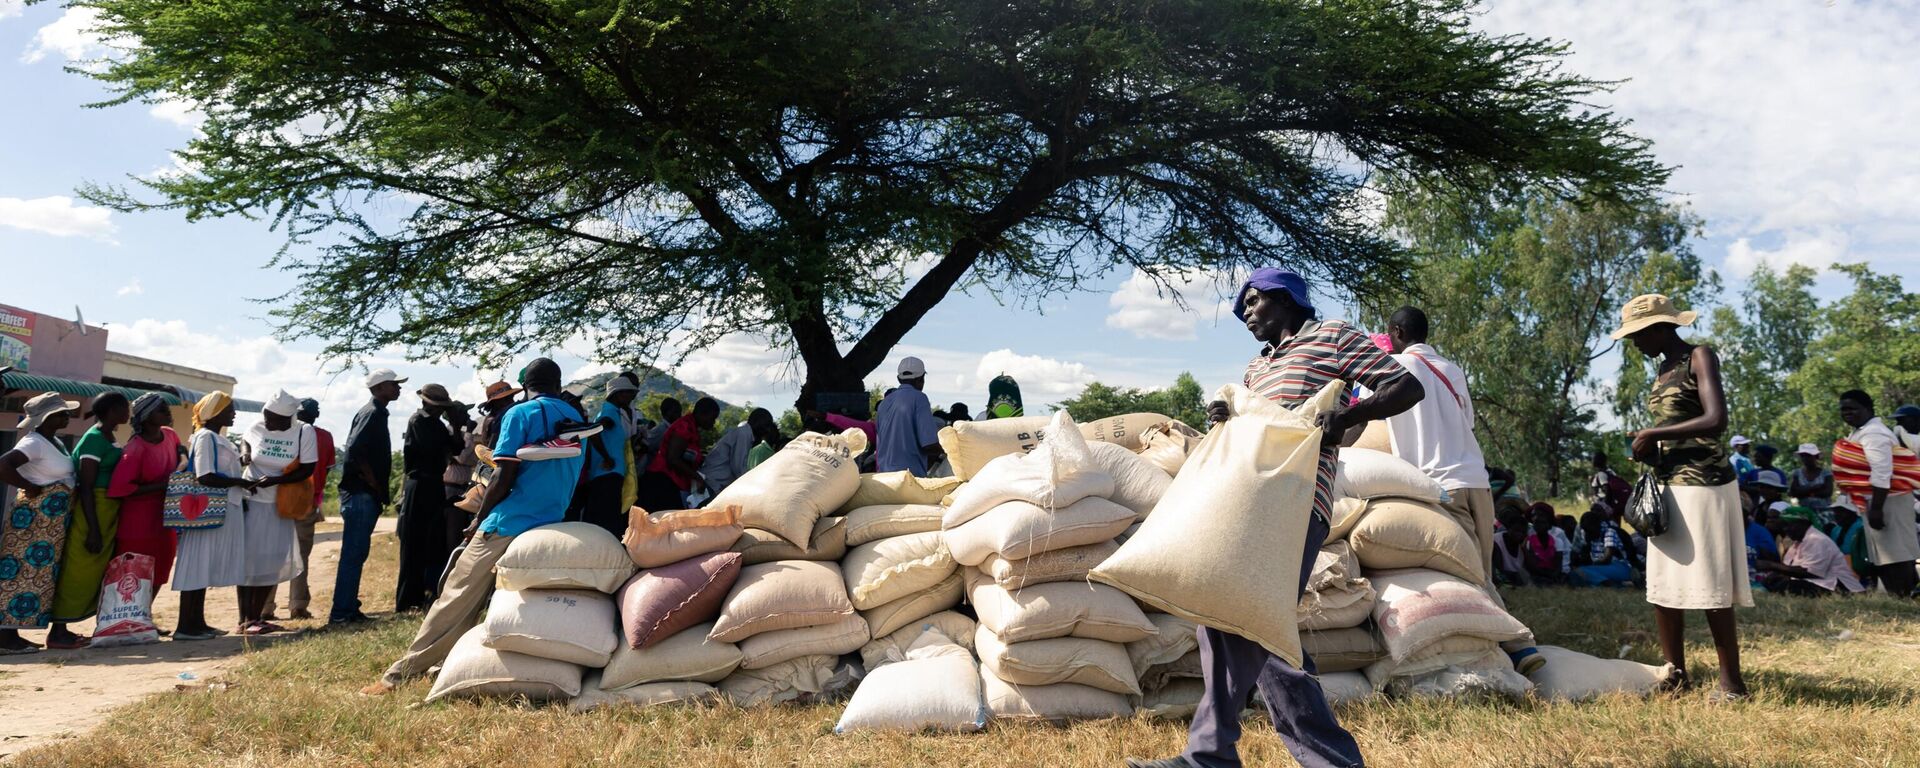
column 885, row 521
column 1418, row 608
column 911, row 609
column 880, row 572
column 1342, row 650
column 593, row 697
column 937, row 687
column 898, row 488
column 794, row 680
column 769, row 648
column 1057, row 703
column 1166, row 446
column 1575, row 676
column 1376, row 437
column 1075, row 660
column 800, row 483
column 1398, row 533
column 1345, row 687
column 887, row 649
column 1337, row 596
column 687, row 655
column 1070, row 564
column 578, row 626
column 1059, row 609
column 1137, row 483
column 1244, row 497
column 1060, row 472
column 1366, row 474
column 474, row 671
column 1017, row 530
column 1175, row 637
column 969, row 445
column 828, row 542
column 564, row 556
column 1343, row 516
column 1128, row 431
column 1177, row 700
column 663, row 538
column 1457, row 651
column 785, row 595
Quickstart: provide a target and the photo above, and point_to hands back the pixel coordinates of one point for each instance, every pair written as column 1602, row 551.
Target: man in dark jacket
column 364, row 476
column 426, row 446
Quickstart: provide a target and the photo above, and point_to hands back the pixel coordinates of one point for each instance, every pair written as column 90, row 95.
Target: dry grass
column 1818, row 701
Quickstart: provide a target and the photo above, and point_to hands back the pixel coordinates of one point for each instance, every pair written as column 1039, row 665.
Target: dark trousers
column 601, row 503
column 457, row 519
column 658, row 493
column 1233, row 666
column 422, row 530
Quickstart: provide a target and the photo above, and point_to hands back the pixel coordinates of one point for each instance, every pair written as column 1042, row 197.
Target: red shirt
column 684, row 428
column 323, row 442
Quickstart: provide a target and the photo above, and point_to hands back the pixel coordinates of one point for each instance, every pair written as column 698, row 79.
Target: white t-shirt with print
column 273, row 454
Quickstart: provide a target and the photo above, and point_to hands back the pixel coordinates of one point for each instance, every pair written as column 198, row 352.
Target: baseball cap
column 383, row 375
column 1905, row 411
column 1739, row 440
column 1808, row 449
column 912, row 368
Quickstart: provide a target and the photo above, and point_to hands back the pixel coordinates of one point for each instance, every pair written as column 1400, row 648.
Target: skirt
column 31, row 540
column 77, row 597
column 1700, row 563
column 254, row 548
column 1898, row 542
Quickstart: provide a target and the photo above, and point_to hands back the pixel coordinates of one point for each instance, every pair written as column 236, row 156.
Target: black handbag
column 1647, row 508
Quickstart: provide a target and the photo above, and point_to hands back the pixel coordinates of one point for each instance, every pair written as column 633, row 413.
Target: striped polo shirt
column 1291, row 372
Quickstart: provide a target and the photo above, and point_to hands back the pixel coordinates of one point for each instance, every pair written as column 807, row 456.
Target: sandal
column 269, row 627
column 1724, row 696
column 78, row 642
column 252, row 629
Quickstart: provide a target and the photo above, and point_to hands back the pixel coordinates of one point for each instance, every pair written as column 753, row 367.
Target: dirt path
column 54, row 694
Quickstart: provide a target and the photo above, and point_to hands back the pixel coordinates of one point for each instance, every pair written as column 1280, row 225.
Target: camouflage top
column 1696, row 460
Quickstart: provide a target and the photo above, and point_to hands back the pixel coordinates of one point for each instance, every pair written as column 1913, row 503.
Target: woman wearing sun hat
column 1700, row 562
column 35, row 531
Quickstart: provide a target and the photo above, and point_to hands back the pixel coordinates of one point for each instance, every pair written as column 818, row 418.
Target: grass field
column 1818, row 701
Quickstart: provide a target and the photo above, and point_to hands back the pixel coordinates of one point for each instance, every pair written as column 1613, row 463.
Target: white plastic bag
column 126, row 603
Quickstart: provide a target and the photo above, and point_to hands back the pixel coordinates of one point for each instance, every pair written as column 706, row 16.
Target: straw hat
column 1647, row 310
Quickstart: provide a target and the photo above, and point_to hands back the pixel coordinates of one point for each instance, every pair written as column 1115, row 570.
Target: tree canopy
column 476, row 177
column 1185, row 400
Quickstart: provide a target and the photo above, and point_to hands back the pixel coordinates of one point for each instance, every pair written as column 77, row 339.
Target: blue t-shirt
column 905, row 422
column 1743, row 467
column 543, row 489
column 614, row 438
column 1760, row 542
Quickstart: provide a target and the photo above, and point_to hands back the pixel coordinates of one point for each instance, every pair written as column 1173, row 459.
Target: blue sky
column 1791, row 121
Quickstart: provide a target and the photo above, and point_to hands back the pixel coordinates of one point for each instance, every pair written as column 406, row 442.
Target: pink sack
column 126, row 603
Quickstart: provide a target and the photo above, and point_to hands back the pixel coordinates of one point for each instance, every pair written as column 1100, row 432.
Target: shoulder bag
column 294, row 501
column 190, row 505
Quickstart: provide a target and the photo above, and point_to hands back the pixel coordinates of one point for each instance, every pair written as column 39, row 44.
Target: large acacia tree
column 465, row 177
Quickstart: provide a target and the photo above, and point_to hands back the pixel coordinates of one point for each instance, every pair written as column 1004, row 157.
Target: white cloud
column 1147, row 310
column 131, row 289
column 179, row 112
column 58, row 216
column 1036, row 374
column 741, row 368
column 73, row 36
column 1818, row 249
column 11, row 8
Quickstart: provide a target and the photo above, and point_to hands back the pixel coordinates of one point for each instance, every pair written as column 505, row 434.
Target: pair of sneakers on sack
column 564, row 445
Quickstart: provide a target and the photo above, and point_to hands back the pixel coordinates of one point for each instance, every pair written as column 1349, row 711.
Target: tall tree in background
column 1185, row 400
column 1522, row 291
column 1868, row 340
column 474, row 177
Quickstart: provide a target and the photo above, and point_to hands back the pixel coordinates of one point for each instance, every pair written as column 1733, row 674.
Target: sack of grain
column 1244, row 496
column 661, row 538
column 1575, row 676
column 1016, row 530
column 593, row 697
column 888, row 649
column 474, row 671
column 1491, row 674
column 564, row 556
column 1366, row 474
column 1337, row 596
column 1057, row 703
column 880, row 572
column 1177, row 700
column 885, row 521
column 1059, row 473
column 1059, row 609
column 688, row 655
column 1345, row 687
column 1127, row 431
column 828, row 542
column 1418, row 608
column 1343, row 516
column 1158, row 676
column 1174, row 637
column 970, row 445
column 769, row 648
column 897, row 488
column 1457, row 651
column 1376, row 437
column 1070, row 564
column 571, row 625
column 935, row 688
column 1137, row 483
column 913, row 608
column 1166, row 446
column 658, row 603
column 785, row 595
column 1397, row 534
column 789, row 681
column 1342, row 650
column 802, row 482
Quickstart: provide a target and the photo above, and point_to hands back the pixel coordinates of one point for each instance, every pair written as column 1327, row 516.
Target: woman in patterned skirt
column 35, row 532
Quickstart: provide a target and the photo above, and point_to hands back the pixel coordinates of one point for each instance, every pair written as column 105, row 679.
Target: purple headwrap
column 1271, row 279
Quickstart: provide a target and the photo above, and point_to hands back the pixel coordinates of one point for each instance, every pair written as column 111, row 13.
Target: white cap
column 383, row 375
column 1808, row 449
column 912, row 368
column 283, row 404
column 1739, row 440
column 1778, row 506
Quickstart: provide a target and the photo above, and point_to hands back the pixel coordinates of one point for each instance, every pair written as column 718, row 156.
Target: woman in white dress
column 217, row 556
column 279, row 451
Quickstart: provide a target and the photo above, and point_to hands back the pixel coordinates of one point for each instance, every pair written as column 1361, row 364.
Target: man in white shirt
column 1892, row 543
column 728, row 459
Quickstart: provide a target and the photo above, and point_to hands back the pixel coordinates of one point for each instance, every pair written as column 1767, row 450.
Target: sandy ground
column 54, row 694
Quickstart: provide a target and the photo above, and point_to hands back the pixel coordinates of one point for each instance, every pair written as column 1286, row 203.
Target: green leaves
column 1184, row 401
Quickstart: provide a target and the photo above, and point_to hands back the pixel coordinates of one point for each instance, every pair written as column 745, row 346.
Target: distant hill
column 652, row 381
